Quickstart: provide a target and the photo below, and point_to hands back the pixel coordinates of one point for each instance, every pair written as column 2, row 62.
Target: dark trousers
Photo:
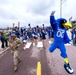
column 4, row 43
column 74, row 41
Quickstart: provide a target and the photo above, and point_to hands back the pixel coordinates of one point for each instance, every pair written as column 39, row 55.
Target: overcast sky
column 35, row 12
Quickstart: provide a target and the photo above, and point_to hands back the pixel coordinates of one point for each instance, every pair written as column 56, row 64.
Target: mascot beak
column 67, row 25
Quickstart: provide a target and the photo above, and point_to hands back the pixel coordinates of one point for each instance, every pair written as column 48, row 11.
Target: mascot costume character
column 59, row 27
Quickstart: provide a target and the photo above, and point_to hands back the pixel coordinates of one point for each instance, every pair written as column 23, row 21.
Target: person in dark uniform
column 4, row 39
column 25, row 39
column 43, row 36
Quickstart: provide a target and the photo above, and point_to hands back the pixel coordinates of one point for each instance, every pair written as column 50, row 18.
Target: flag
column 70, row 19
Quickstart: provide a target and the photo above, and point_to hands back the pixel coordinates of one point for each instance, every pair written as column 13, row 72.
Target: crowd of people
column 13, row 38
column 27, row 34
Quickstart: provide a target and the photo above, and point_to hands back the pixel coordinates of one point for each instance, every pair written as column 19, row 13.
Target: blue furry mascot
column 59, row 27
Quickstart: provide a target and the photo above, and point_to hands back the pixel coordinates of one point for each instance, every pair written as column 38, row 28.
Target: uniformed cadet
column 43, row 37
column 14, row 44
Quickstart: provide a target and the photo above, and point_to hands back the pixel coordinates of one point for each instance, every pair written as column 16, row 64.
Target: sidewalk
column 3, row 50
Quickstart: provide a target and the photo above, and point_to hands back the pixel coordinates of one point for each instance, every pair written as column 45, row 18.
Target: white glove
column 24, row 40
column 33, row 35
column 27, row 37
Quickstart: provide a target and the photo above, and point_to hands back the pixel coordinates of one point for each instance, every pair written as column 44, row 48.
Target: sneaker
column 50, row 42
column 68, row 68
column 24, row 48
column 18, row 61
column 33, row 44
column 15, row 68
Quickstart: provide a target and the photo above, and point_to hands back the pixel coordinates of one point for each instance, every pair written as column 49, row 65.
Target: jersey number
column 60, row 33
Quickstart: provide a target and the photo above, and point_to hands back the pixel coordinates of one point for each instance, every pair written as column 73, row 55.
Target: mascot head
column 63, row 23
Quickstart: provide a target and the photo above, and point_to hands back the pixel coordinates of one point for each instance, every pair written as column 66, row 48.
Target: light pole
column 60, row 8
column 61, row 2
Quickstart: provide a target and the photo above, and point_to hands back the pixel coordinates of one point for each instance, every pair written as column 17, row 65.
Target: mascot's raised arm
column 59, row 27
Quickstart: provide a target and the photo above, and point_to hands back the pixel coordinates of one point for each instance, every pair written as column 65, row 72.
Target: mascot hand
column 71, row 42
column 52, row 13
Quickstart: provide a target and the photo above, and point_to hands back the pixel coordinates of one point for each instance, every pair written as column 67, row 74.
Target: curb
column 4, row 50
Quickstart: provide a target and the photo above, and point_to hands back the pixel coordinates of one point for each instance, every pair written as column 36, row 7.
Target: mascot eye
column 62, row 22
column 65, row 21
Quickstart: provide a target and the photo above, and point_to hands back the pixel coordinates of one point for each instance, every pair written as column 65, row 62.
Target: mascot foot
column 68, row 68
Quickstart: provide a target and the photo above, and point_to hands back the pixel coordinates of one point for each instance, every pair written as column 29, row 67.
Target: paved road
column 51, row 63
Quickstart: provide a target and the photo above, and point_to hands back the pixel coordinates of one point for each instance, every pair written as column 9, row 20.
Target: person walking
column 14, row 44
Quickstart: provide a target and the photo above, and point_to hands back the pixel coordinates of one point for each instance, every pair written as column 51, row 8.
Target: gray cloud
column 2, row 2
column 39, row 7
column 35, row 12
column 7, row 15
